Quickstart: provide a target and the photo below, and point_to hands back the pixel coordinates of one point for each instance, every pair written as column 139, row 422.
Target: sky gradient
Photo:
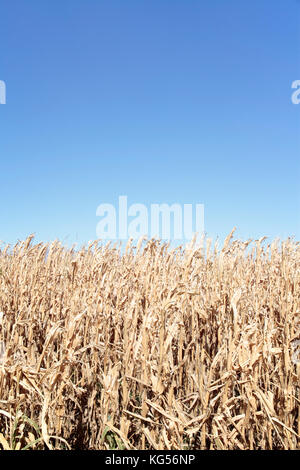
column 163, row 101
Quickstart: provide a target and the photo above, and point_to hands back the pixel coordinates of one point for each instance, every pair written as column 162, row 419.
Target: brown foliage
column 151, row 348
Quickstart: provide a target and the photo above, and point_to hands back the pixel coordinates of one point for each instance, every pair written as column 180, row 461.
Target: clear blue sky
column 185, row 101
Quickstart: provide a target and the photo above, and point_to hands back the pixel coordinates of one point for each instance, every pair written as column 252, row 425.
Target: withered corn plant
column 150, row 348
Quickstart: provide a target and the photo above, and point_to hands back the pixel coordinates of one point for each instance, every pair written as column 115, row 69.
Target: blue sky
column 165, row 101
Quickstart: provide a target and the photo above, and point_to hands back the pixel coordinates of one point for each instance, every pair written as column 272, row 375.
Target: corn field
column 149, row 347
